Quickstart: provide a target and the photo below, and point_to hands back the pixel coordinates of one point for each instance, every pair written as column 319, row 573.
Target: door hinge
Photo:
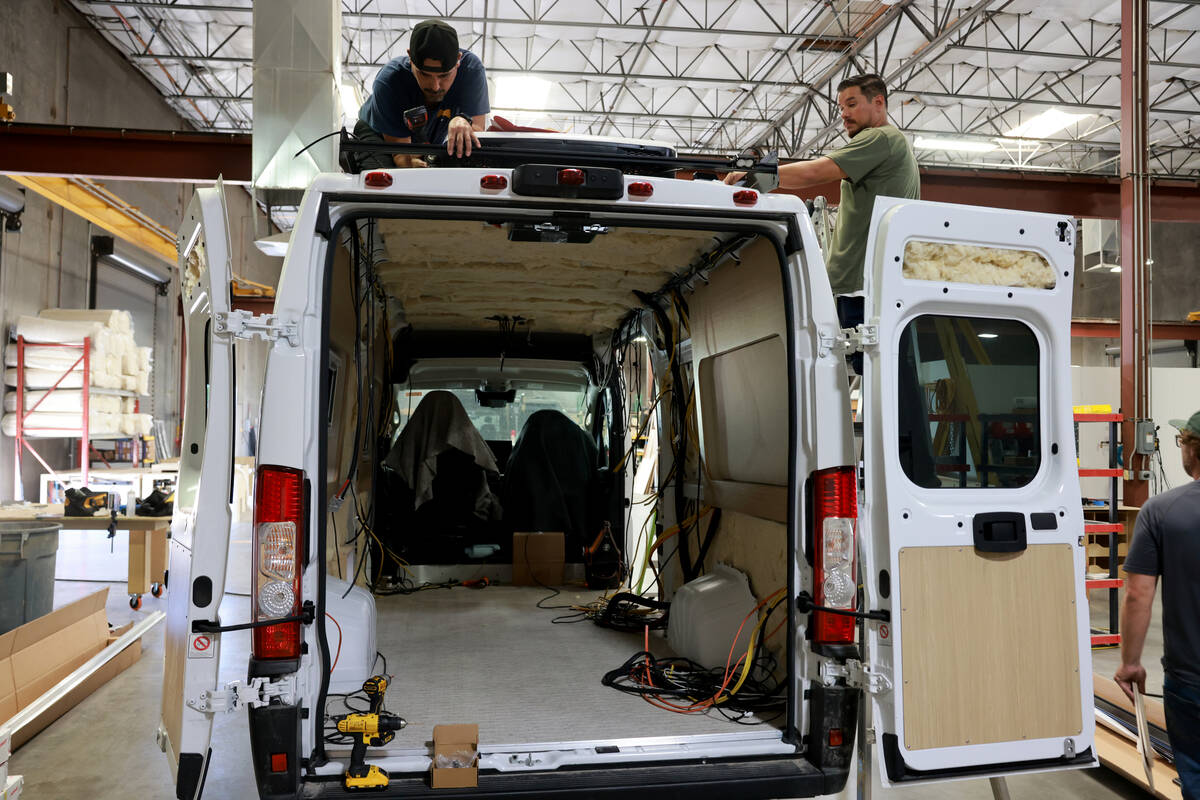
column 856, row 674
column 238, row 695
column 244, row 325
column 849, row 340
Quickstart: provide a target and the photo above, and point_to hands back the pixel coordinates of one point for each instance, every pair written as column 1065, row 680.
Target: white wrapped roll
column 143, row 384
column 59, row 358
column 147, row 357
column 43, row 423
column 45, row 378
column 114, row 319
column 67, row 400
column 40, row 329
column 136, row 424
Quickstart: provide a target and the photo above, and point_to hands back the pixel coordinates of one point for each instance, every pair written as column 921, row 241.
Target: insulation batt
column 114, row 319
column 100, row 423
column 70, row 400
column 967, row 263
column 49, row 357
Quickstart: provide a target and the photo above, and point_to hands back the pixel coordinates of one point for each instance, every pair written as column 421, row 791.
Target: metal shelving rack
column 84, row 433
column 1112, row 583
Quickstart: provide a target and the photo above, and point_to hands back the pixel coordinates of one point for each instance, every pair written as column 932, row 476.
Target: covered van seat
column 552, row 482
column 438, row 426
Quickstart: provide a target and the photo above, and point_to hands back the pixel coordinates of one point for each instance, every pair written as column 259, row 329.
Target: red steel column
column 1135, row 240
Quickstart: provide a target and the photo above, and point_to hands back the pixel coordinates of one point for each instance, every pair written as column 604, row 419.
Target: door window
column 968, row 402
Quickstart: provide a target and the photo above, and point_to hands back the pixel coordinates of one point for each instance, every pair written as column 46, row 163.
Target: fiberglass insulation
column 966, row 263
column 115, row 360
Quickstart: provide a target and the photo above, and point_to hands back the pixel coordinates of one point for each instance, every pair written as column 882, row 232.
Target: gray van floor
column 491, row 657
column 103, row 749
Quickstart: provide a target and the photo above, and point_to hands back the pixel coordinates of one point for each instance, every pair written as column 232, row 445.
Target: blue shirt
column 396, row 90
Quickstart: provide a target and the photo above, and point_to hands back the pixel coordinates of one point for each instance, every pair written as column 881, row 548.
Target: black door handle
column 999, row 532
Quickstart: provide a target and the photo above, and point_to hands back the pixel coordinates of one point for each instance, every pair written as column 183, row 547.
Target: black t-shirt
column 396, row 91
column 1166, row 542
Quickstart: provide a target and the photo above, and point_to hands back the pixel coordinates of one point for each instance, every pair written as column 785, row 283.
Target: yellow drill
column 374, row 728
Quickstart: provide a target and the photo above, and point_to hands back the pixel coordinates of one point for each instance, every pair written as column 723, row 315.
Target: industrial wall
column 65, row 73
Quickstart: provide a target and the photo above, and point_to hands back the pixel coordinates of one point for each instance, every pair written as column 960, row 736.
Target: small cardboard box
column 11, row 788
column 40, row 653
column 451, row 741
column 538, row 559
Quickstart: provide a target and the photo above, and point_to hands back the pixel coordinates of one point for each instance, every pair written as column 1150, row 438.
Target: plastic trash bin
column 27, row 552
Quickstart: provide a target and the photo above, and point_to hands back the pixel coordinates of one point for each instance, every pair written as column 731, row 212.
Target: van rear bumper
column 746, row 779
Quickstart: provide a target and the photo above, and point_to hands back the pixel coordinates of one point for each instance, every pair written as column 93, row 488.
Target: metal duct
column 297, row 72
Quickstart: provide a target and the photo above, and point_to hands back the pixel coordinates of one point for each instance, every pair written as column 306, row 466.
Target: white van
column 947, row 563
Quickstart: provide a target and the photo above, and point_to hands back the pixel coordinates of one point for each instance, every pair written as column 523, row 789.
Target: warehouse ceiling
column 971, row 83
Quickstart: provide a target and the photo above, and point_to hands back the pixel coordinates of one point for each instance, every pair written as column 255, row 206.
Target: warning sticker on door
column 202, row 645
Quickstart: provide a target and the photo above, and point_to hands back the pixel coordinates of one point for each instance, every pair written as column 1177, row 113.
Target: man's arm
column 1135, row 621
column 460, row 137
column 799, row 174
column 399, row 159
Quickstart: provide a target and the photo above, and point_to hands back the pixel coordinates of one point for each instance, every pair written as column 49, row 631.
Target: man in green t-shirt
column 876, row 161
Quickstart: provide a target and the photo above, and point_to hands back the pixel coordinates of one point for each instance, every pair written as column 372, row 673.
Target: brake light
column 835, row 527
column 641, row 189
column 571, row 177
column 745, row 197
column 277, row 561
column 378, row 180
column 493, row 182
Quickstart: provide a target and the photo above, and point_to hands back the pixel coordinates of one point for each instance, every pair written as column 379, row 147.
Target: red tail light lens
column 493, row 182
column 571, row 177
column 835, row 530
column 277, row 560
column 378, row 180
column 745, row 197
column 641, row 189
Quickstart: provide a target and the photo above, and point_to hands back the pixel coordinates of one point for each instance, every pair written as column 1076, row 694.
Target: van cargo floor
column 491, row 657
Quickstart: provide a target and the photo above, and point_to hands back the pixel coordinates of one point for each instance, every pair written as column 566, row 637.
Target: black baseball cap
column 434, row 40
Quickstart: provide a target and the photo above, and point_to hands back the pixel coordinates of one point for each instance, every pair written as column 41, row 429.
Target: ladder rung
column 1104, row 583
column 1103, row 527
column 1115, row 472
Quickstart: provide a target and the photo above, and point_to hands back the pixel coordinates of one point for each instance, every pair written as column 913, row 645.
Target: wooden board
column 1121, row 756
column 989, row 643
column 53, row 512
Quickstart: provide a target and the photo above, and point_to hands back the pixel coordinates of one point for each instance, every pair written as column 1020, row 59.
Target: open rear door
column 202, row 518
column 972, row 495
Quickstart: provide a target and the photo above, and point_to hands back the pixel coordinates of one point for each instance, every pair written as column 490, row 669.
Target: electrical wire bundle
column 745, row 686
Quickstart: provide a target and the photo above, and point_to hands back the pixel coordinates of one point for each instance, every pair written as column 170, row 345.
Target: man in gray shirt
column 1166, row 542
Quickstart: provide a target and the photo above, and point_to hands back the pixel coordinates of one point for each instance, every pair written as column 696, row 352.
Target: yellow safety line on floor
column 98, row 205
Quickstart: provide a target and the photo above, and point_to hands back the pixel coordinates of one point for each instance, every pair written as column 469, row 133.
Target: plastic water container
column 705, row 615
column 27, row 556
column 352, row 639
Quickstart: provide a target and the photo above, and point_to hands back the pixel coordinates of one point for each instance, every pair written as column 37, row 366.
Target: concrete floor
column 103, row 749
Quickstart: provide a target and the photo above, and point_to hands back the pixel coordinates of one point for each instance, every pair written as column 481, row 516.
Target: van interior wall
column 739, row 354
column 345, row 328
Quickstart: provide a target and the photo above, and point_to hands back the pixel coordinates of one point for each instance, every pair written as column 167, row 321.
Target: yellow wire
column 749, row 661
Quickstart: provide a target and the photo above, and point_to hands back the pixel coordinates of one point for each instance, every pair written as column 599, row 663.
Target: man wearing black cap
column 448, row 82
column 1166, row 542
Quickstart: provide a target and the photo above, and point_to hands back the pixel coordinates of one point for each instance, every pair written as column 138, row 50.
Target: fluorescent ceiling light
column 960, row 145
column 987, row 335
column 1049, row 121
column 527, row 92
column 1115, row 268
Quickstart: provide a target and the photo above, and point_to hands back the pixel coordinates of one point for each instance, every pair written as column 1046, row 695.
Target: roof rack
column 632, row 158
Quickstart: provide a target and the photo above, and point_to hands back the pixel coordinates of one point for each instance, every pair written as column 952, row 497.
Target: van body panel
column 986, row 654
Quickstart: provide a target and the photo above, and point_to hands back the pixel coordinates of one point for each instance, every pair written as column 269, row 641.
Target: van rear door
column 201, row 522
column 971, row 495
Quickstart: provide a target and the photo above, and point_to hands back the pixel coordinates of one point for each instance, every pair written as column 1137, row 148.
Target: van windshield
column 505, row 422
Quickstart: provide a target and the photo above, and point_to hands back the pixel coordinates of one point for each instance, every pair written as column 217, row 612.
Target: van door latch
column 849, row 340
column 238, row 695
column 856, row 674
column 242, row 324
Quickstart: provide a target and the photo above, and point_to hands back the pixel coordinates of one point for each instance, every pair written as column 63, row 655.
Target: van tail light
column 277, row 561
column 745, row 197
column 571, row 177
column 493, row 182
column 378, row 180
column 835, row 529
column 641, row 189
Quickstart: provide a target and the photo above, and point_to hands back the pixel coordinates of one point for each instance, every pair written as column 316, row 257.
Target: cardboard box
column 538, row 559
column 455, row 741
column 39, row 654
column 12, row 787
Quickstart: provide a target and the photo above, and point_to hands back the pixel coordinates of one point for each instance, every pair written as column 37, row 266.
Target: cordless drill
column 374, row 728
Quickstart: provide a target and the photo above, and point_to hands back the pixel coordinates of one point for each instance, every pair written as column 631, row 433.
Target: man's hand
column 1129, row 675
column 733, row 177
column 460, row 138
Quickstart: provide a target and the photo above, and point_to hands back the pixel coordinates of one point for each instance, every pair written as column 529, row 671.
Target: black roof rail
column 513, row 149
